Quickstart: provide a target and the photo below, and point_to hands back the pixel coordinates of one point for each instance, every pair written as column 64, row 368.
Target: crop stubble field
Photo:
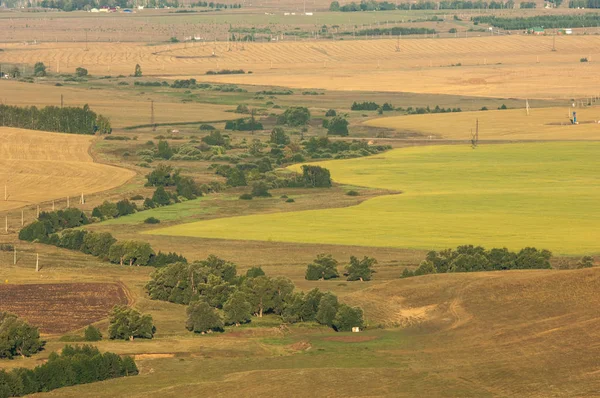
column 38, row 166
column 511, row 195
column 505, row 66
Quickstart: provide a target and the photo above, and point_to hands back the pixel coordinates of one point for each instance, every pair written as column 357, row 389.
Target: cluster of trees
column 215, row 5
column 372, row 5
column 226, row 72
column 17, row 338
column 126, row 323
column 108, row 210
column 244, row 124
column 395, row 31
column 471, row 258
column 71, row 120
column 49, row 223
column 337, row 125
column 323, row 148
column 74, row 365
column 584, row 4
column 294, row 116
column 370, row 106
column 217, row 296
column 423, row 110
column 547, row 21
column 165, row 176
column 325, row 267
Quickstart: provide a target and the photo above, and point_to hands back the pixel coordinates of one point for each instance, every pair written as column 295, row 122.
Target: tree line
column 74, row 365
column 217, row 296
column 372, row 5
column 471, row 258
column 55, row 228
column 547, row 21
column 71, row 120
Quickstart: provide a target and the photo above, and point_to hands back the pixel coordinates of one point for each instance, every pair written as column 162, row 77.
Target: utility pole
column 37, row 262
column 152, row 122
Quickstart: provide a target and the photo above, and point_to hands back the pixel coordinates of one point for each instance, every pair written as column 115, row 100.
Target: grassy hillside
column 512, row 195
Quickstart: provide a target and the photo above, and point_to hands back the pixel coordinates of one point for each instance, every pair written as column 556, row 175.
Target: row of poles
column 37, row 259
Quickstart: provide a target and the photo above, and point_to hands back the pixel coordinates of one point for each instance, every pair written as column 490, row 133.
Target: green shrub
column 352, row 193
column 290, row 200
column 152, row 220
column 246, row 196
column 92, row 333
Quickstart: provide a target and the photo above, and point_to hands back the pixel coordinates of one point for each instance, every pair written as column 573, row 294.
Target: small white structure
column 286, row 13
column 355, row 329
column 308, row 13
column 94, row 10
column 140, row 7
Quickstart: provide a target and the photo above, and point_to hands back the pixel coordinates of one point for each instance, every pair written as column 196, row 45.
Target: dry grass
column 542, row 124
column 39, row 166
column 124, row 108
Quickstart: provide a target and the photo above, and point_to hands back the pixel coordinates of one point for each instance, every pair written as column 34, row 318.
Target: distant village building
column 536, row 31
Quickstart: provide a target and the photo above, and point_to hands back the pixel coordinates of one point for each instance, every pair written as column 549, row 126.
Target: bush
column 152, row 220
column 290, row 200
column 92, row 333
column 323, row 267
column 246, row 196
column 338, row 126
column 331, row 113
column 206, row 127
column 81, row 72
column 137, row 197
column 352, row 193
column 260, row 189
column 316, row 176
column 360, row 269
column 255, row 272
column 583, row 59
column 294, row 116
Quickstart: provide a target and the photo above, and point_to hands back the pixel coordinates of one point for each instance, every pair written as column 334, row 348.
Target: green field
column 513, row 195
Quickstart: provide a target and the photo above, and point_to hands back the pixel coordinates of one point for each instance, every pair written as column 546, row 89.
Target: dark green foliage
column 360, row 269
column 125, row 207
column 179, row 282
column 352, row 193
column 17, row 337
column 206, row 127
column 51, row 222
column 260, row 189
column 216, row 138
column 237, row 309
column 255, row 272
column 187, row 188
column 81, row 72
column 316, row 176
column 267, row 294
column 164, row 150
column 98, row 244
column 226, row 72
column 39, row 69
column 151, row 220
column 162, row 176
column 105, row 210
column 406, row 273
column 347, row 318
column 323, row 267
column 162, row 259
column 236, row 178
column 126, row 324
column 72, row 239
column 244, row 124
column 471, row 258
column 203, row 318
column 246, row 196
column 279, row 137
column 138, row 71
column 131, row 252
column 502, row 107
column 149, row 203
column 92, row 333
column 51, row 118
column 294, row 116
column 364, row 106
column 331, row 113
column 302, row 307
column 548, row 21
column 290, row 200
column 328, row 307
column 338, row 126
column 76, row 365
column 161, row 197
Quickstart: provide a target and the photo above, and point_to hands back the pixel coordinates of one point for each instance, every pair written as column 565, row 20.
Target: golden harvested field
column 541, row 124
column 38, row 166
column 124, row 108
column 498, row 66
